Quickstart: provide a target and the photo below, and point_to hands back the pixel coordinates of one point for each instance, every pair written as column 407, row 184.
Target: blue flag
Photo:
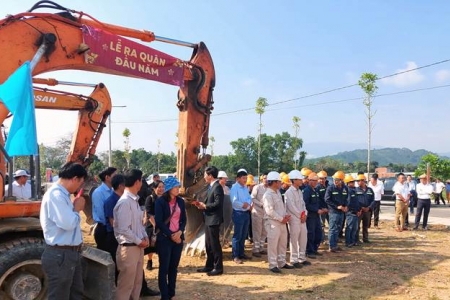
column 17, row 94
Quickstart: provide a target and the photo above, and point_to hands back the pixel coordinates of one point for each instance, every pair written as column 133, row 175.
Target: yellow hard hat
column 348, row 178
column 361, row 177
column 322, row 174
column 250, row 180
column 285, row 179
column 339, row 175
column 282, row 174
column 305, row 171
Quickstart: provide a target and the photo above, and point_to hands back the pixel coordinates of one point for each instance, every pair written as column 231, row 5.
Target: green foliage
column 261, row 104
column 383, row 156
column 439, row 167
column 277, row 153
column 367, row 84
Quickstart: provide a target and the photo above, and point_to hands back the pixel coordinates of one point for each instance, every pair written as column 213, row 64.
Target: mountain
column 383, row 156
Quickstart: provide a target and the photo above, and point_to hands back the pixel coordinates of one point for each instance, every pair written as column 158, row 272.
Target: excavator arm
column 70, row 36
column 93, row 112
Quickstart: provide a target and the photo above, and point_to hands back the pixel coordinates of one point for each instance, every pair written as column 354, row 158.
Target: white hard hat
column 222, row 174
column 273, row 176
column 295, row 174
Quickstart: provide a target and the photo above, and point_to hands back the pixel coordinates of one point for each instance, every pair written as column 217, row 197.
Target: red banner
column 128, row 58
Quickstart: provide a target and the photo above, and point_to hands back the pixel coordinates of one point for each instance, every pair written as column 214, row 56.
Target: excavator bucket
column 99, row 273
column 195, row 228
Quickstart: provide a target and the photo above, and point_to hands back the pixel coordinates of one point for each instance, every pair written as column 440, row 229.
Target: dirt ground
column 406, row 265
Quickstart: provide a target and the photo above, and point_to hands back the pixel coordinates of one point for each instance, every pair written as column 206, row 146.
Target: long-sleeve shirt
column 239, row 195
column 109, row 205
column 352, row 202
column 128, row 227
column 273, row 206
column 99, row 197
column 335, row 197
column 365, row 197
column 294, row 203
column 59, row 222
column 424, row 190
column 378, row 189
column 321, row 189
column 258, row 194
column 312, row 201
column 20, row 191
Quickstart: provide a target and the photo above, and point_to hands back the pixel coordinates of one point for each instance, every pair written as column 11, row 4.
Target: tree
column 126, row 134
column 440, row 168
column 212, row 140
column 260, row 108
column 367, row 84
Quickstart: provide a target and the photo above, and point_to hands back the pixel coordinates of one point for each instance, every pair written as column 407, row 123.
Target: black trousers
column 365, row 219
column 100, row 237
column 213, row 249
column 422, row 204
column 376, row 213
column 438, row 198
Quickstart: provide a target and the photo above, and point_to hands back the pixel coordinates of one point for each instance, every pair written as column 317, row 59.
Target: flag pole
column 47, row 40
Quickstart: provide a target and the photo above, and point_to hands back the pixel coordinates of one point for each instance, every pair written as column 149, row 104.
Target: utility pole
column 109, row 127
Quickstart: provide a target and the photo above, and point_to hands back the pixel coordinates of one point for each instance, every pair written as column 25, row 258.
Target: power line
column 310, row 104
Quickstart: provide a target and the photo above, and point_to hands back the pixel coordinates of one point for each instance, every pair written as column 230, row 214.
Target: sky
column 288, row 52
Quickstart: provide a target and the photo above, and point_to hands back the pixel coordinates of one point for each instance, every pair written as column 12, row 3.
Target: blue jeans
column 351, row 229
column 241, row 220
column 314, row 226
column 336, row 220
column 63, row 270
column 169, row 254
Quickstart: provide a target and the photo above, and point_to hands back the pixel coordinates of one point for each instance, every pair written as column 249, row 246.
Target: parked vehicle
column 388, row 185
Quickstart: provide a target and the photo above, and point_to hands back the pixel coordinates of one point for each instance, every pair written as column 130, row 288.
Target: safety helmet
column 295, row 174
column 313, row 176
column 361, row 177
column 305, row 171
column 322, row 174
column 222, row 174
column 250, row 180
column 339, row 175
column 282, row 174
column 273, row 176
column 348, row 178
column 285, row 179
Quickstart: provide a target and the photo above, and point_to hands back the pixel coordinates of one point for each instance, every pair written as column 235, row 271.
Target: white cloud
column 405, row 79
column 442, row 76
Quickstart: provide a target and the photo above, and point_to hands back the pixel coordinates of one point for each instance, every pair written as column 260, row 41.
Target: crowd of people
column 282, row 211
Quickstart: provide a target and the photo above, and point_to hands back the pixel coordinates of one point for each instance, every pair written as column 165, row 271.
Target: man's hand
column 78, row 204
column 144, row 243
column 245, row 205
column 286, row 219
column 320, row 211
column 200, row 205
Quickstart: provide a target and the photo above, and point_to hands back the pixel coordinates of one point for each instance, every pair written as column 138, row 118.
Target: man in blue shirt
column 242, row 204
column 60, row 221
column 99, row 197
column 365, row 196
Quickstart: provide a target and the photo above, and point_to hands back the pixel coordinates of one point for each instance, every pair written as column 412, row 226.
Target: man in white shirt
column 424, row 190
column 378, row 189
column 438, row 187
column 21, row 189
column 402, row 196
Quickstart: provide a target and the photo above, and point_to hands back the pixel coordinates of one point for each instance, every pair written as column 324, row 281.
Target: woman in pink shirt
column 170, row 218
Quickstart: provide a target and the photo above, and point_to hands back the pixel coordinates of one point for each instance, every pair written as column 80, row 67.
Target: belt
column 128, row 244
column 424, row 199
column 68, row 247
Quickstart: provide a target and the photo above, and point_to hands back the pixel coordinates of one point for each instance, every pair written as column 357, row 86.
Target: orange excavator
column 70, row 39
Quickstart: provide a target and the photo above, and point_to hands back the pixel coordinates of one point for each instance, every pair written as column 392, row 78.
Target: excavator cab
column 67, row 39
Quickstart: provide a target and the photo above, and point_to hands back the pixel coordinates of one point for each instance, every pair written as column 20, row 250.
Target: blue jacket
column 312, row 201
column 321, row 189
column 162, row 213
column 335, row 197
column 365, row 197
column 352, row 202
